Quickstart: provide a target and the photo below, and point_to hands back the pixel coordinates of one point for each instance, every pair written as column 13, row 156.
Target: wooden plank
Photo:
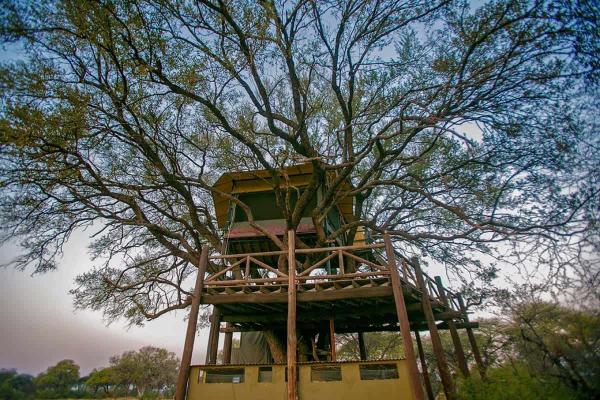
column 325, row 295
column 190, row 334
column 438, row 350
column 332, row 340
column 458, row 349
column 292, row 340
column 343, row 276
column 424, row 368
column 366, row 262
column 317, row 265
column 328, row 249
column 227, row 344
column 409, row 351
column 341, row 262
column 213, row 337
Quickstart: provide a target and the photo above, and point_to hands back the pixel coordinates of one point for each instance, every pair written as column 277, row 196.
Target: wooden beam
column 190, row 334
column 292, row 390
column 332, row 340
column 325, row 295
column 438, row 350
column 409, row 351
column 458, row 348
column 227, row 344
column 213, row 337
column 424, row 369
column 476, row 354
column 362, row 349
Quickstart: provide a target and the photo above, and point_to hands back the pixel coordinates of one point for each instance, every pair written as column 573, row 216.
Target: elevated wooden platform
column 349, row 284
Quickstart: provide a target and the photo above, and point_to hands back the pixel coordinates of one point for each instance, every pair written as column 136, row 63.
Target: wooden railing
column 314, row 265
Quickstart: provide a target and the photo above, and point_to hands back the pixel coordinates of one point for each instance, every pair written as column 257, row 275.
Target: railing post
column 472, row 341
column 213, row 337
column 190, row 334
column 435, row 337
column 292, row 390
column 227, row 344
column 332, row 339
column 458, row 348
column 409, row 351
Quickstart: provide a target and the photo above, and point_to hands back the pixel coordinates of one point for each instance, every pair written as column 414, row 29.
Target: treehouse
column 287, row 304
column 257, row 191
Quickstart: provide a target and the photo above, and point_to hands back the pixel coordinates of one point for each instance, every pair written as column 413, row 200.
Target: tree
column 459, row 128
column 379, row 346
column 104, row 379
column 58, row 379
column 149, row 368
column 14, row 386
column 561, row 343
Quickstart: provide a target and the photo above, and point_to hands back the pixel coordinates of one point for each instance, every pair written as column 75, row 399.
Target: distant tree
column 559, row 342
column 379, row 346
column 104, row 379
column 149, row 368
column 58, row 379
column 15, row 386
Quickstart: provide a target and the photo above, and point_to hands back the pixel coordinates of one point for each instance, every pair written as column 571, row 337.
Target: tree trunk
column 276, row 346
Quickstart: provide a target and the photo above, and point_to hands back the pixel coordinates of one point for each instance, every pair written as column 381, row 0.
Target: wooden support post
column 292, row 390
column 438, row 350
column 227, row 344
column 425, row 372
column 458, row 348
column 362, row 349
column 332, row 339
column 213, row 337
column 190, row 334
column 409, row 351
column 472, row 341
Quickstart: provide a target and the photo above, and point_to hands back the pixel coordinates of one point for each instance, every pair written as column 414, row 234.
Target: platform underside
column 355, row 305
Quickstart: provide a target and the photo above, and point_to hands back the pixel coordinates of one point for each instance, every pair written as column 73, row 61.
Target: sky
column 39, row 325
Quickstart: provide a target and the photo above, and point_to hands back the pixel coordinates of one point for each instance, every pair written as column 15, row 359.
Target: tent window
column 265, row 374
column 325, row 374
column 378, row 371
column 224, row 375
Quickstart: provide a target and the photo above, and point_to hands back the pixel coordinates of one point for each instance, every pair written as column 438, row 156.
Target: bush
column 510, row 382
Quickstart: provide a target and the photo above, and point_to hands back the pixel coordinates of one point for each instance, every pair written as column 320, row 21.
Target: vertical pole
column 213, row 337
column 472, row 341
column 425, row 372
column 435, row 337
column 227, row 343
column 292, row 390
column 409, row 351
column 458, row 348
column 332, row 339
column 190, row 334
column 361, row 346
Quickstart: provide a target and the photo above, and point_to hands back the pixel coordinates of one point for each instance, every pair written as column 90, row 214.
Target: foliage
column 104, row 379
column 14, row 386
column 508, row 382
column 379, row 346
column 459, row 128
column 561, row 343
column 149, row 369
column 57, row 380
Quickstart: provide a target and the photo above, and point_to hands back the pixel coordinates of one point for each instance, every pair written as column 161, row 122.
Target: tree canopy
column 58, row 379
column 459, row 127
column 149, row 368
